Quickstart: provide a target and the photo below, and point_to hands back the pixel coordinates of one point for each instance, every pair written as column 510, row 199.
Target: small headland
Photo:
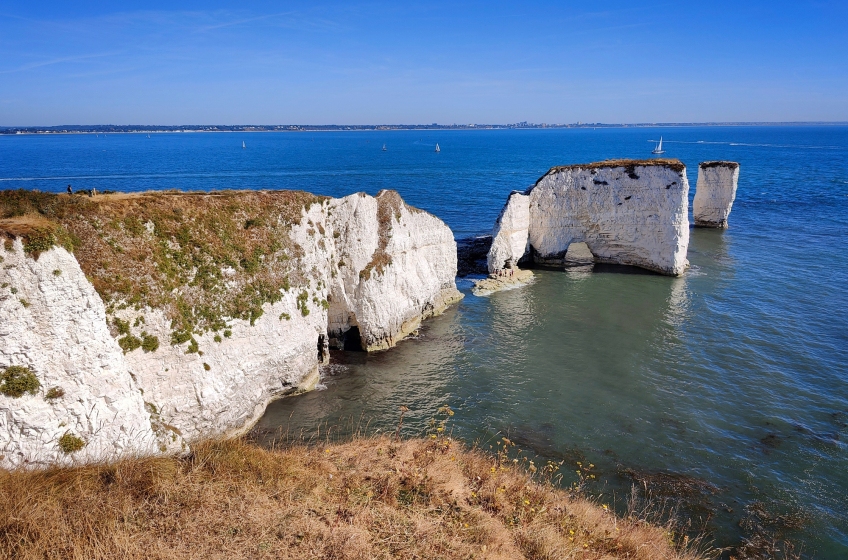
column 372, row 497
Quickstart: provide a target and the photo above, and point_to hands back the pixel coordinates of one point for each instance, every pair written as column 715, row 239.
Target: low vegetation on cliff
column 203, row 258
column 368, row 498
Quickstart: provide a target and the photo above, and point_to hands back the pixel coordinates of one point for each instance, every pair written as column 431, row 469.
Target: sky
column 421, row 62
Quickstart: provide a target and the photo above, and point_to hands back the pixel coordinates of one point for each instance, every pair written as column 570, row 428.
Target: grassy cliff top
column 628, row 164
column 203, row 257
column 675, row 164
column 368, row 498
column 708, row 164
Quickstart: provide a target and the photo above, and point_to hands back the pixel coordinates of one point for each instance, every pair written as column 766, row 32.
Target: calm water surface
column 735, row 375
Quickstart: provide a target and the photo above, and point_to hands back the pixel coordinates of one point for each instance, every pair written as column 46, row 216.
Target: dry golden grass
column 203, row 258
column 369, row 498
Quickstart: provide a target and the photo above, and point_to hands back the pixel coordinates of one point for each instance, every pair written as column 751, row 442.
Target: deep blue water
column 735, row 374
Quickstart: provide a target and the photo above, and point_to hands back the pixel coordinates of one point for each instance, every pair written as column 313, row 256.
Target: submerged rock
column 714, row 193
column 631, row 212
column 180, row 316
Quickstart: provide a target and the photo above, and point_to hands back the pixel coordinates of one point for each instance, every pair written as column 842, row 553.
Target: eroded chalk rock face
column 394, row 275
column 714, row 193
column 53, row 323
column 511, row 233
column 626, row 212
column 375, row 264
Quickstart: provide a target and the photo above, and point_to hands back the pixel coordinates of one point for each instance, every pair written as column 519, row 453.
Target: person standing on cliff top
column 70, row 190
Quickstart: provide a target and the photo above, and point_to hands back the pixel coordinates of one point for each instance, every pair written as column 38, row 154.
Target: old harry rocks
column 632, row 212
column 715, row 193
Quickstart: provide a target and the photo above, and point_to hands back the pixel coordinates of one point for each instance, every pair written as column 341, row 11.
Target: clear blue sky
column 447, row 62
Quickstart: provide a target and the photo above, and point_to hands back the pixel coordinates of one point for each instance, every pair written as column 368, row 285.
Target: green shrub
column 57, row 272
column 17, row 380
column 193, row 347
column 69, row 443
column 24, row 302
column 218, row 338
column 228, row 333
column 54, row 393
column 178, row 337
column 149, row 342
column 206, row 366
column 122, row 326
column 285, row 316
column 129, row 343
column 301, row 303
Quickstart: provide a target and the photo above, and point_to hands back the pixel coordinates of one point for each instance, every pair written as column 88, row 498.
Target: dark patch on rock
column 629, row 165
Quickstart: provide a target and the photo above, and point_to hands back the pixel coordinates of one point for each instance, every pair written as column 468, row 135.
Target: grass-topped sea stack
column 632, row 212
column 714, row 193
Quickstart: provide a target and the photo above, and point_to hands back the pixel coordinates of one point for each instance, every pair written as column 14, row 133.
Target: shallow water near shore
column 731, row 381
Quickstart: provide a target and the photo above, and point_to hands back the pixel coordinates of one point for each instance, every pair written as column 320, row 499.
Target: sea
column 722, row 395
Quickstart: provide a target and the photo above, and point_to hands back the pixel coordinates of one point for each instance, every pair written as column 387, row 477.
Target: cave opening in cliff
column 352, row 340
column 579, row 254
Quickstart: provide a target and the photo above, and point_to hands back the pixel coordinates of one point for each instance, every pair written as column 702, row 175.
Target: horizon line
column 398, row 126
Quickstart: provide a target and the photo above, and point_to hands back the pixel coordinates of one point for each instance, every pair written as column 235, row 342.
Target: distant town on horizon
column 111, row 128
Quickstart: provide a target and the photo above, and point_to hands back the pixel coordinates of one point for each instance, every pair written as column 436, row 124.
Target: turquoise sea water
column 731, row 382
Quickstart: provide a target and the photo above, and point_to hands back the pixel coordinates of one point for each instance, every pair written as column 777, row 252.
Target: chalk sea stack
column 630, row 212
column 138, row 324
column 714, row 193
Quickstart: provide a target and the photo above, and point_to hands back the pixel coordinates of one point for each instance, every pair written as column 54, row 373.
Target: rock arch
column 632, row 212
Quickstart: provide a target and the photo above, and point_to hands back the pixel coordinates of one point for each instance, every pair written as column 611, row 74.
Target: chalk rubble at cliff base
column 715, row 193
column 117, row 377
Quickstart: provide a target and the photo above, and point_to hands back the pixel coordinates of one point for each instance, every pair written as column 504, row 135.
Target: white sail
column 437, row 147
column 658, row 149
column 242, row 145
column 384, row 147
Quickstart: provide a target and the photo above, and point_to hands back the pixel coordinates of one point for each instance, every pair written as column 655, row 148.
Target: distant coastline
column 109, row 128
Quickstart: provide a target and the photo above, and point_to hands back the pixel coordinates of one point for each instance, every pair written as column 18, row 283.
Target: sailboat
column 242, row 145
column 438, row 149
column 658, row 149
column 384, row 147
column 148, row 136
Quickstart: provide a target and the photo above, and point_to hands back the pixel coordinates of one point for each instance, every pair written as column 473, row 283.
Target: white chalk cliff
column 55, row 324
column 626, row 212
column 715, row 193
column 511, row 233
column 371, row 263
